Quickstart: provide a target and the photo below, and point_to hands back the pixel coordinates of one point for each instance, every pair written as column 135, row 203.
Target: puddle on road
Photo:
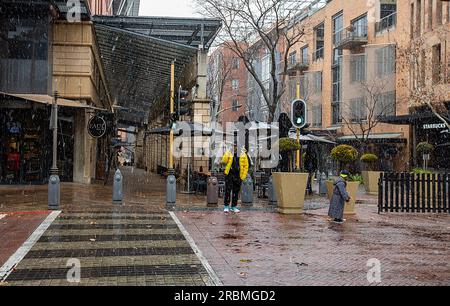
column 231, row 236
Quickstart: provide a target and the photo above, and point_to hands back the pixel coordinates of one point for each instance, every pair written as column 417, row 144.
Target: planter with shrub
column 290, row 187
column 370, row 175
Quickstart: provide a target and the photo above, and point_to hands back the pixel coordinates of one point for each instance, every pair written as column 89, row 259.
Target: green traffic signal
column 298, row 113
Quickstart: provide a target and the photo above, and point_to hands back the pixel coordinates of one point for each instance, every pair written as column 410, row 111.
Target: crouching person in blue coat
column 340, row 196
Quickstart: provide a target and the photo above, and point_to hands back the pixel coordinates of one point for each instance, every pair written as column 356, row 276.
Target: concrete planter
column 352, row 190
column 290, row 189
column 371, row 181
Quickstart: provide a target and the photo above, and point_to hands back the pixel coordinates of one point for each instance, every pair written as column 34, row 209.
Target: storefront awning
column 46, row 99
column 376, row 138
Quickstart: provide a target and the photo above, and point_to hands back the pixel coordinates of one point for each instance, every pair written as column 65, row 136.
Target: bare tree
column 251, row 28
column 424, row 89
column 362, row 114
column 219, row 73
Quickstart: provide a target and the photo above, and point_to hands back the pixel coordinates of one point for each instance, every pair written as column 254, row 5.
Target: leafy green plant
column 357, row 178
column 421, row 171
column 369, row 159
column 344, row 154
column 424, row 148
column 288, row 145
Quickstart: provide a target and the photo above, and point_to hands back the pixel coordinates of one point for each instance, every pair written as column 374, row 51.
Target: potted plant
column 290, row 187
column 370, row 174
column 346, row 155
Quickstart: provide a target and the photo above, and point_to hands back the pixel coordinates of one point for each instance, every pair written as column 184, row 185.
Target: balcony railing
column 301, row 65
column 319, row 53
column 386, row 23
column 352, row 36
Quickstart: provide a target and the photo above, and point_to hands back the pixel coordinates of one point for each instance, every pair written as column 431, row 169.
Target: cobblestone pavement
column 260, row 248
column 114, row 247
column 137, row 243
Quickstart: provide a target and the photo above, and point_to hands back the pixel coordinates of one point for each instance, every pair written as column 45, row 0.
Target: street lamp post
column 54, row 182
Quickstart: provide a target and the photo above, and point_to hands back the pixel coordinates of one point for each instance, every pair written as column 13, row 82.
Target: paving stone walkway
column 113, row 248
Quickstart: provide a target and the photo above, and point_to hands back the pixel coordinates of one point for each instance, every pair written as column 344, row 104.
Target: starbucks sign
column 96, row 127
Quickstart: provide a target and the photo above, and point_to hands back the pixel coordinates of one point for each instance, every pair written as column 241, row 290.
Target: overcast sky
column 172, row 8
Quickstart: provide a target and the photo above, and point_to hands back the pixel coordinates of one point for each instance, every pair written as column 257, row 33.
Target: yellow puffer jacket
column 243, row 164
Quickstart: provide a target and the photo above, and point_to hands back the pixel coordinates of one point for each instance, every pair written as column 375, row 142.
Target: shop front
column 434, row 132
column 25, row 138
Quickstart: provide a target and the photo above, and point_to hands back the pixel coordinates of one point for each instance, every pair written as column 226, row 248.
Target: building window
column 236, row 63
column 385, row 104
column 358, row 110
column 436, row 63
column 338, row 26
column 317, row 116
column 235, row 84
column 360, row 26
column 439, row 12
column 385, row 60
column 317, row 82
column 430, row 14
column 418, row 17
column 336, row 95
column 304, row 55
column 319, row 33
column 24, row 51
column 265, row 70
column 235, row 105
column 388, row 17
column 358, row 68
column 293, row 58
column 387, row 9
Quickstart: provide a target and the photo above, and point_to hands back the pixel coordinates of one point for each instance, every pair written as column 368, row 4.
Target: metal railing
column 386, row 22
column 351, row 33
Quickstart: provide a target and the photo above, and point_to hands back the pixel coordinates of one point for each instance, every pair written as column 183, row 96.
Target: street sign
column 96, row 127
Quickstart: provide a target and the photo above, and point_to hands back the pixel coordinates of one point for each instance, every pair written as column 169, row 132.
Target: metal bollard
column 271, row 192
column 212, row 191
column 247, row 191
column 171, row 190
column 117, row 188
column 54, row 194
column 323, row 183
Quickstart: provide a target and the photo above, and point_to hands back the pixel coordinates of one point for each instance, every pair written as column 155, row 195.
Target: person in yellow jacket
column 236, row 170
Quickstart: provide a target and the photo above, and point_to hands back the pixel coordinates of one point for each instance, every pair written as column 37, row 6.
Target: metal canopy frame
column 186, row 31
column 137, row 53
column 137, row 68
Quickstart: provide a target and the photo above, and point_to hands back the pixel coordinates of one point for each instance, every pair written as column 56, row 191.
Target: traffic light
column 183, row 103
column 298, row 113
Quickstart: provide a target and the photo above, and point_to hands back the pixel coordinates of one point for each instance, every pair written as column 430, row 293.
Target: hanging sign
column 96, row 127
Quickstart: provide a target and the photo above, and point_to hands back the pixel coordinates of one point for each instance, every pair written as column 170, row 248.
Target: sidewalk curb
column 214, row 278
column 17, row 257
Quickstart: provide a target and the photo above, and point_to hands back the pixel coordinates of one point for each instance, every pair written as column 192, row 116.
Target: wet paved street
column 270, row 249
column 139, row 243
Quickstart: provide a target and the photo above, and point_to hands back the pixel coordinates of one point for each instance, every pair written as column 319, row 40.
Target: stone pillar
column 201, row 115
column 202, row 68
column 84, row 150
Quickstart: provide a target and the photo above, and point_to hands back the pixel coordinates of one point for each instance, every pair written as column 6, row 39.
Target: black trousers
column 232, row 185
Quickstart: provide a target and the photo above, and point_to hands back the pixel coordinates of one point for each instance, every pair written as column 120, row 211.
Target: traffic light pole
column 298, row 161
column 171, row 191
